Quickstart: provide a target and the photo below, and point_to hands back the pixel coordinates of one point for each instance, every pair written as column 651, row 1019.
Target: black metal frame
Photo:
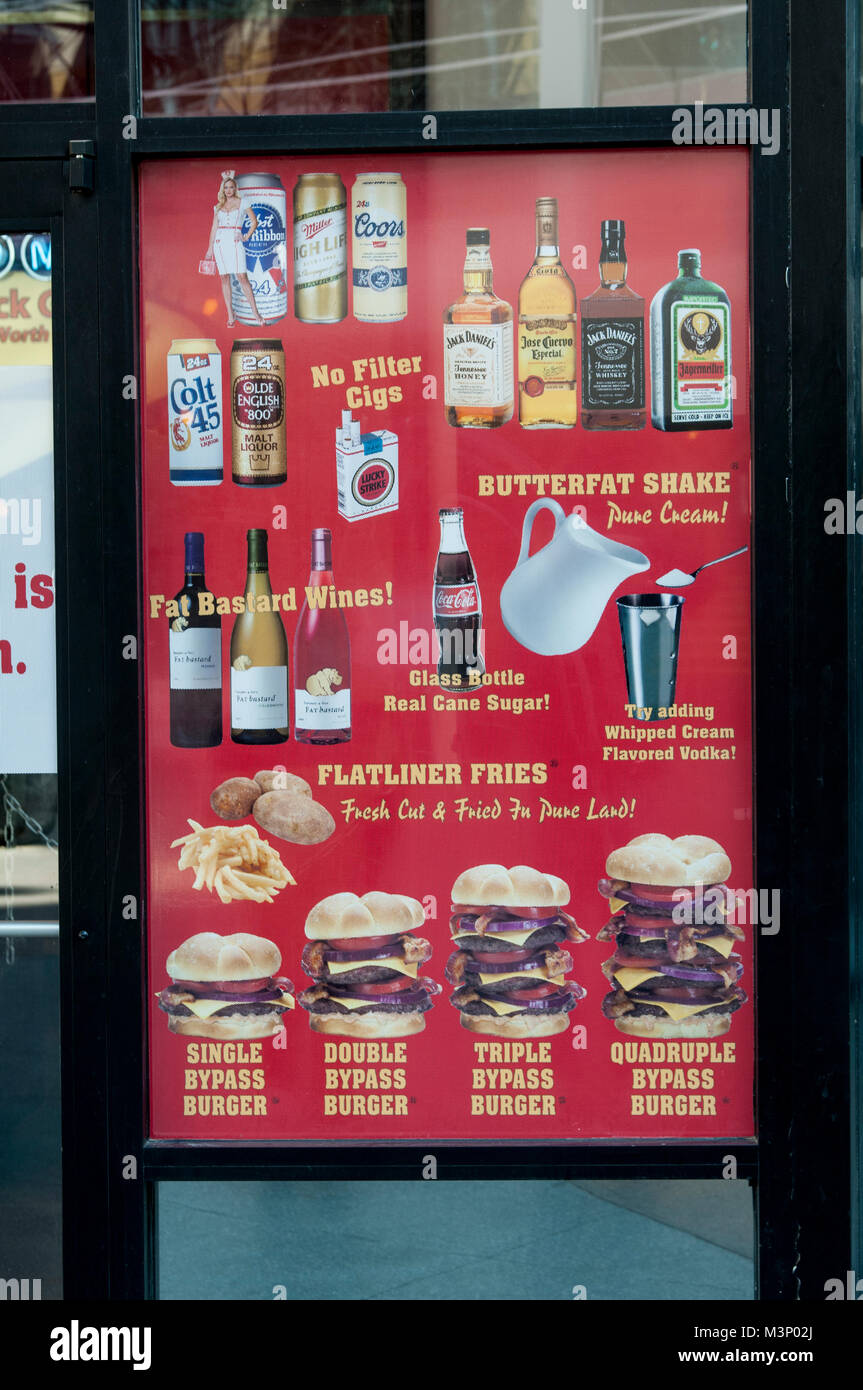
column 803, row 1162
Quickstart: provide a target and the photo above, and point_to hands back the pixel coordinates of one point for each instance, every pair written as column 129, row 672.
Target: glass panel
column 46, row 50
column 228, row 57
column 29, row 1041
column 441, row 1241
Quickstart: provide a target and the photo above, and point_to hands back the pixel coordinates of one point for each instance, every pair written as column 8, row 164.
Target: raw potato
column 293, row 817
column 234, row 799
column 283, row 782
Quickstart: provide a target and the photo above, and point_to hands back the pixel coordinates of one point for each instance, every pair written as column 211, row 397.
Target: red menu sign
column 447, row 703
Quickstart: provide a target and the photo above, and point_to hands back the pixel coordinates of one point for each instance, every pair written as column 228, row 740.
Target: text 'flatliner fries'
column 234, row 862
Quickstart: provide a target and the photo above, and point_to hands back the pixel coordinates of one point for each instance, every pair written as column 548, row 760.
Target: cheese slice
column 616, row 904
column 341, row 967
column 676, row 1012
column 205, row 1008
column 630, row 978
column 723, row 944
column 515, row 937
column 359, row 1003
column 530, row 975
column 500, row 1007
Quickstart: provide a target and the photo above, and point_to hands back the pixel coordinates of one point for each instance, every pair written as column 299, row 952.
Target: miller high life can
column 195, row 412
column 259, row 450
column 379, row 248
column 266, row 251
column 320, row 249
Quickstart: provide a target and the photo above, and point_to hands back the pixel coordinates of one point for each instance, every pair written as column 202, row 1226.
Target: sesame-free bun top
column 491, row 884
column 209, row 956
column 374, row 914
column 671, row 863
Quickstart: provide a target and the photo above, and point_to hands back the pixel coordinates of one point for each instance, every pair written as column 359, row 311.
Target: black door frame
column 802, row 1165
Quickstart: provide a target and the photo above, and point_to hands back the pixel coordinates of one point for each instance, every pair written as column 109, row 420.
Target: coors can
column 457, row 604
column 379, row 248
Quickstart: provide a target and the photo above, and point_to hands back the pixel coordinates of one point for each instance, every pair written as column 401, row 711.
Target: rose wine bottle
column 259, row 658
column 322, row 656
column 195, row 651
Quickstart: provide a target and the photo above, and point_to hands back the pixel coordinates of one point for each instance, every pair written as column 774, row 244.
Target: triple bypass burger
column 509, row 968
column 364, row 958
column 226, row 987
column 674, row 971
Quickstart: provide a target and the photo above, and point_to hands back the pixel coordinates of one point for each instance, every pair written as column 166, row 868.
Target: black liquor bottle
column 690, row 352
column 612, row 343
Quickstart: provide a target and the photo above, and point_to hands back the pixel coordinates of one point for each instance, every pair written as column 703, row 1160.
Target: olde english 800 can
column 320, row 249
column 266, row 251
column 194, row 412
column 258, row 412
column 379, row 248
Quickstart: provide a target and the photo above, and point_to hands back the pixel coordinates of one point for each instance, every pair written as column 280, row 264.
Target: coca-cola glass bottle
column 457, row 604
column 322, row 655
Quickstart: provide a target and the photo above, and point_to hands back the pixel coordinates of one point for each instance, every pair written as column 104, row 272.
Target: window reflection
column 46, row 51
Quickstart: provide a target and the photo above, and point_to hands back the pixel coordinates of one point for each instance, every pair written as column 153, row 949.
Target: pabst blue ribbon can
column 379, row 248
column 320, row 249
column 266, row 249
column 194, row 412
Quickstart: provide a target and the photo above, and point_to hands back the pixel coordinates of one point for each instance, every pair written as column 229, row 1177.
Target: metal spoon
column 680, row 579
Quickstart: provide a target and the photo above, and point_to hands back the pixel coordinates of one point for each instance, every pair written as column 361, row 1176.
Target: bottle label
column 477, row 364
column 546, row 355
column 612, row 363
column 196, row 658
column 456, row 600
column 320, row 246
column 700, row 360
column 259, row 698
column 322, row 711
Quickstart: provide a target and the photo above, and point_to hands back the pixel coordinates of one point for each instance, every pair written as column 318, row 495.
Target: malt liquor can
column 379, row 248
column 194, row 412
column 320, row 249
column 266, row 251
column 259, row 452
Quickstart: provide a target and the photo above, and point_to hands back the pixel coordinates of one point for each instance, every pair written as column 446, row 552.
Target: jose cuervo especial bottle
column 195, row 652
column 322, row 655
column 259, row 657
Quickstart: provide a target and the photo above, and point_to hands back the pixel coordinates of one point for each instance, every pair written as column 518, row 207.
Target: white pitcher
column 553, row 600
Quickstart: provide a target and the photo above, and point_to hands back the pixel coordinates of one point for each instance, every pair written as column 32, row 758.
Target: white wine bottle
column 259, row 658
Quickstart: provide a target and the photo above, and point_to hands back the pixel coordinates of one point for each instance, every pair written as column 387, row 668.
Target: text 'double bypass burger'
column 226, row 987
column 510, row 962
column 674, row 973
column 364, row 958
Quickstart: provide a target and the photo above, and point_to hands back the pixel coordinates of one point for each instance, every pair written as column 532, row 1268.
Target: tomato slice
column 208, row 987
column 534, row 992
column 362, row 943
column 652, row 893
column 380, row 987
column 519, row 913
column 500, row 957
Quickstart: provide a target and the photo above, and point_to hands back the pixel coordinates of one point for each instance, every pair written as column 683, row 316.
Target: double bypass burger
column 364, row 959
column 509, row 966
column 674, row 971
column 226, row 987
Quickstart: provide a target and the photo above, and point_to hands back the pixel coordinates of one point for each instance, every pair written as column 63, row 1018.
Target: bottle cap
column 613, row 227
column 450, row 511
column 477, row 236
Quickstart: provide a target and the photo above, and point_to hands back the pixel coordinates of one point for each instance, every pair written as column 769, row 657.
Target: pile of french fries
column 234, row 862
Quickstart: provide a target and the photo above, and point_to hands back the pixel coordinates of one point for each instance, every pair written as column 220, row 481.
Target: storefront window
column 232, row 57
column 46, row 51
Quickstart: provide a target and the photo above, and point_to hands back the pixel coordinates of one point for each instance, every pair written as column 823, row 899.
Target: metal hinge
column 82, row 166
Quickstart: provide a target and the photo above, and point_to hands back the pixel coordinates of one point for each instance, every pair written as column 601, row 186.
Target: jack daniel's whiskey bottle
column 612, row 343
column 477, row 345
column 690, row 352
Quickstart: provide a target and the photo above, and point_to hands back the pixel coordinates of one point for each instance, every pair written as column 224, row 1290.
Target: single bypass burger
column 674, row 972
column 511, row 934
column 364, row 958
column 226, row 987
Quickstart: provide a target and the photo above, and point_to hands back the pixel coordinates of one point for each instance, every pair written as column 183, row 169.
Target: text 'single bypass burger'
column 364, row 958
column 509, row 966
column 670, row 978
column 226, row 987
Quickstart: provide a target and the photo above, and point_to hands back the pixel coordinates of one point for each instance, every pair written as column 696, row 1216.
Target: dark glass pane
column 46, row 50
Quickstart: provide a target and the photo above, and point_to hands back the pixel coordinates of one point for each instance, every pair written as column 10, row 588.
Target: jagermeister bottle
column 690, row 352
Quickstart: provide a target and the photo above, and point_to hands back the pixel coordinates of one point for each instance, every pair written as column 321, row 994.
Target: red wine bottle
column 195, row 646
column 322, row 656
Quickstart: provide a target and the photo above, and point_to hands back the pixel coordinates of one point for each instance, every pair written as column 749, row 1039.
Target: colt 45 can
column 320, row 249
column 379, row 248
column 195, row 412
column 259, row 452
